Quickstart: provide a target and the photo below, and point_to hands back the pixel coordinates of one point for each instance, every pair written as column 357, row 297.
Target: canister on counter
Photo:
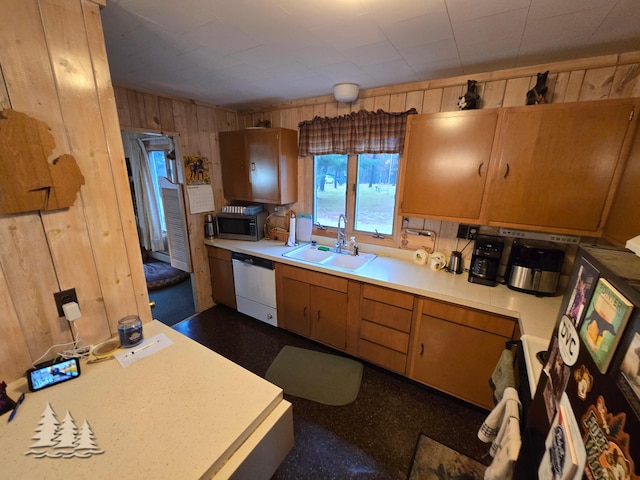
column 130, row 331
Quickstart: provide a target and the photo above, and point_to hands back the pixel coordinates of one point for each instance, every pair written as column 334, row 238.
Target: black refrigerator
column 584, row 419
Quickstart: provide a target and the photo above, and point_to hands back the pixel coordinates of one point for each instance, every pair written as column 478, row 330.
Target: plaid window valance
column 357, row 132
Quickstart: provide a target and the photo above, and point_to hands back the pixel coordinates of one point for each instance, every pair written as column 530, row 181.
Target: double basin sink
column 330, row 258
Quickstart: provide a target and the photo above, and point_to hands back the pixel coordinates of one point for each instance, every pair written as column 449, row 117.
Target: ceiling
column 243, row 54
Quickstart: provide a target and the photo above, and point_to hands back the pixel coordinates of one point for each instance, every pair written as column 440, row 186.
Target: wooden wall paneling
column 151, row 112
column 398, row 102
column 331, row 109
column 368, row 104
column 122, row 105
column 493, row 94
column 515, row 93
column 414, row 100
column 113, row 137
column 24, row 250
column 382, row 102
column 4, row 95
column 450, row 97
column 574, row 86
column 597, row 83
column 31, row 281
column 626, row 81
column 69, row 55
column 165, row 111
column 137, row 113
column 199, row 255
column 432, row 101
column 560, row 87
column 344, row 108
column 14, row 350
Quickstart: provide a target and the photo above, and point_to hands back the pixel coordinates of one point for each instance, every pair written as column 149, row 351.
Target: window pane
column 158, row 166
column 376, row 192
column 330, row 192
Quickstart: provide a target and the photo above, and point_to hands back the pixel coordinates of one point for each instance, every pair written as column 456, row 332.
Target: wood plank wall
column 53, row 67
column 196, row 127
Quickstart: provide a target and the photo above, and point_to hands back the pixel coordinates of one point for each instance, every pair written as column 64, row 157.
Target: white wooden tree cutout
column 62, row 439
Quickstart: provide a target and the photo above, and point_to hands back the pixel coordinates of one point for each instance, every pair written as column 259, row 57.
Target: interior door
column 177, row 232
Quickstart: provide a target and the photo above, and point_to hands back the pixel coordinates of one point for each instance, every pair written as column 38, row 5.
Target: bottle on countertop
column 209, row 230
column 353, row 246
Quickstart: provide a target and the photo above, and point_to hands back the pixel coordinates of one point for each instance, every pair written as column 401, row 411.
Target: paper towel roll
column 292, row 231
column 420, row 256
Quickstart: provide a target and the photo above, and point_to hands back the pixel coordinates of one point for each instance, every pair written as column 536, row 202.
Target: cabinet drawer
column 488, row 322
column 385, row 357
column 384, row 314
column 219, row 253
column 384, row 336
column 331, row 282
column 386, row 295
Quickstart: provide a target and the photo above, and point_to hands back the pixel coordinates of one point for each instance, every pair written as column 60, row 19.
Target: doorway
column 153, row 162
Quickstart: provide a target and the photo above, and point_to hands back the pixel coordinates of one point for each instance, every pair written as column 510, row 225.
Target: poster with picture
column 582, row 290
column 604, row 323
column 629, row 382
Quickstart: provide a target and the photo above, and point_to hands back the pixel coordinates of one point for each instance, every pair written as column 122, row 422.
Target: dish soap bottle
column 353, row 246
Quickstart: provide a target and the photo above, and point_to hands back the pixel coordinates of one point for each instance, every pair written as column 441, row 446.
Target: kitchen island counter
column 183, row 412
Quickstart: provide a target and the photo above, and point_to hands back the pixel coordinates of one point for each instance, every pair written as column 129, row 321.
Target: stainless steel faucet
column 341, row 240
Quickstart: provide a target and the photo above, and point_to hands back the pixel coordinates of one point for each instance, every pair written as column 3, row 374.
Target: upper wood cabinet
column 260, row 165
column 623, row 222
column 555, row 166
column 446, row 163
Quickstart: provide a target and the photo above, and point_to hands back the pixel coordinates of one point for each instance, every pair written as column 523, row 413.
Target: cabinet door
column 330, row 322
column 446, row 163
column 623, row 221
column 294, row 311
column 233, row 162
column 555, row 164
column 457, row 359
column 263, row 151
column 221, row 272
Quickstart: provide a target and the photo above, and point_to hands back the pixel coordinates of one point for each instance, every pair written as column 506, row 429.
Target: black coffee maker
column 485, row 261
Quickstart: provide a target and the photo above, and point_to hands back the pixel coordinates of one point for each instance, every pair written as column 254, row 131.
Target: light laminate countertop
column 394, row 268
column 183, row 412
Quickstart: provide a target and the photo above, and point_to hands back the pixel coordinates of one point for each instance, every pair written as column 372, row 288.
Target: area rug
column 434, row 461
column 320, row 377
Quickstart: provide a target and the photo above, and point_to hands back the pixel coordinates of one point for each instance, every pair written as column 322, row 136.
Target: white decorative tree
column 67, row 432
column 47, row 430
column 85, row 440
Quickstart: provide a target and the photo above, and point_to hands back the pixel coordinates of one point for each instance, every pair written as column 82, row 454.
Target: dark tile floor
column 371, row 438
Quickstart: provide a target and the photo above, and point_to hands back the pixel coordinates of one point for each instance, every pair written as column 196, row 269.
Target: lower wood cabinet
column 385, row 327
column 456, row 349
column 221, row 271
column 316, row 305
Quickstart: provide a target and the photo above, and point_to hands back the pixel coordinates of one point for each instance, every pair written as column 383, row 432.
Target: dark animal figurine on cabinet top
column 535, row 96
column 471, row 99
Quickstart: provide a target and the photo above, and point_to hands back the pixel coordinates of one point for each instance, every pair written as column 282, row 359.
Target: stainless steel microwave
column 237, row 226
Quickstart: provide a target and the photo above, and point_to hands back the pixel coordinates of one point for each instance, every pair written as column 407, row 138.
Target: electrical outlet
column 467, row 232
column 63, row 297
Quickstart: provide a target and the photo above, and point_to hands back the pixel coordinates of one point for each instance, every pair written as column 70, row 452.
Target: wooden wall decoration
column 28, row 180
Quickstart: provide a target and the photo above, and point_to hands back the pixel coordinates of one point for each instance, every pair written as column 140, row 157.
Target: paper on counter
column 146, row 348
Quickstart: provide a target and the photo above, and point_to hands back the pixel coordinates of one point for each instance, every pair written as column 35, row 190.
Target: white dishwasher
column 255, row 287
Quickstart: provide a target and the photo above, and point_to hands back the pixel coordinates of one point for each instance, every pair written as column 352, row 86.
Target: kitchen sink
column 330, row 258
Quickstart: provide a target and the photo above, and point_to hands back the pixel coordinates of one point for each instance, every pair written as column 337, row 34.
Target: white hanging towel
column 502, row 428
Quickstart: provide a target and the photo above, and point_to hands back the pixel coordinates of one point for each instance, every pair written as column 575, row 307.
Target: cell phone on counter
column 53, row 373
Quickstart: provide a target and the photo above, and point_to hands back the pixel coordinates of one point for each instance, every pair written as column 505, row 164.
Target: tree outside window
column 370, row 205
